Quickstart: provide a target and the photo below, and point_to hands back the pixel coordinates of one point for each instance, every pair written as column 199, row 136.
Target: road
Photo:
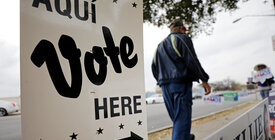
column 157, row 116
column 10, row 126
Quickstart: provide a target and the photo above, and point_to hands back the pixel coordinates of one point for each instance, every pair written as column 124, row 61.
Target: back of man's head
column 176, row 26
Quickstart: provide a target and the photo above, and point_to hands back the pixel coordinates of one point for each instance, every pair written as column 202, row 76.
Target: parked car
column 156, row 98
column 7, row 107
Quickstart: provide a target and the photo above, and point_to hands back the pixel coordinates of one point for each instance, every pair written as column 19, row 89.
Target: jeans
column 178, row 102
column 264, row 93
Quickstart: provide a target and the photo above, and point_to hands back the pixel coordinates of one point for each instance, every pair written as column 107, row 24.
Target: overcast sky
column 9, row 48
column 230, row 52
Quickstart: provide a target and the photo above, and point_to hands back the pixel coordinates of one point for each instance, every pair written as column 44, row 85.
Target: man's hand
column 206, row 87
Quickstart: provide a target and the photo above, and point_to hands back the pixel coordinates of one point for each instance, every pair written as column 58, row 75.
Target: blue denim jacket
column 175, row 61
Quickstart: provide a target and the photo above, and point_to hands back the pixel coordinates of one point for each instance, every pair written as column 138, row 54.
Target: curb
column 13, row 117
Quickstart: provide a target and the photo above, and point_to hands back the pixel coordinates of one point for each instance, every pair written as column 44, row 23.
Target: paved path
column 10, row 128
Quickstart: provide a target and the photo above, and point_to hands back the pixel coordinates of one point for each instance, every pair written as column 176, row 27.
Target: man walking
column 175, row 66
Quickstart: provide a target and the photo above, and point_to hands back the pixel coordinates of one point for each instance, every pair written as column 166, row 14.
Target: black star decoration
column 73, row 136
column 93, row 0
column 115, row 1
column 121, row 126
column 139, row 122
column 134, row 5
column 99, row 131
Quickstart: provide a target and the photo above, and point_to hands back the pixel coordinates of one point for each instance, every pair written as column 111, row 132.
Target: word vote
column 45, row 52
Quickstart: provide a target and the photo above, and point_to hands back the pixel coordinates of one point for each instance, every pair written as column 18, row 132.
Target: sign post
column 82, row 71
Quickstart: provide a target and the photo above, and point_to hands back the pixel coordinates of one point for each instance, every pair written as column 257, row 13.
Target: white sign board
column 254, row 124
column 273, row 42
column 82, row 75
column 262, row 75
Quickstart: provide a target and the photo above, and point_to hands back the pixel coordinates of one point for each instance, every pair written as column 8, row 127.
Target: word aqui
column 68, row 10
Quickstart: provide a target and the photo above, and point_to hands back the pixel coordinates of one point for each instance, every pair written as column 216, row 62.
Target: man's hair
column 176, row 24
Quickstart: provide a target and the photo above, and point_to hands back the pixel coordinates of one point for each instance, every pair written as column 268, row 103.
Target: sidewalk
column 204, row 126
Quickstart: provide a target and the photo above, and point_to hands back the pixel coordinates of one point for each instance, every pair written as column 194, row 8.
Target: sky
column 231, row 51
column 9, row 48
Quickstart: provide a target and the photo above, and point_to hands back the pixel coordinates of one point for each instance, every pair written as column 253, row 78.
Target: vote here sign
column 82, row 71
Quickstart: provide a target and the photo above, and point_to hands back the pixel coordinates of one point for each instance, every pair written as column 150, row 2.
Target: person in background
column 175, row 66
column 264, row 87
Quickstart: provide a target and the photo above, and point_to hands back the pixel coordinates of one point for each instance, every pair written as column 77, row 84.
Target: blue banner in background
column 243, row 93
column 212, row 99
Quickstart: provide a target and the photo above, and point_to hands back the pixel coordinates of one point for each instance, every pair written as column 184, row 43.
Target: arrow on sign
column 133, row 137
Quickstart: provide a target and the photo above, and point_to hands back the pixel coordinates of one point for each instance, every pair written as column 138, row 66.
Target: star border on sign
column 121, row 126
column 100, row 131
column 134, row 5
column 115, row 1
column 93, row 0
column 73, row 136
column 139, row 122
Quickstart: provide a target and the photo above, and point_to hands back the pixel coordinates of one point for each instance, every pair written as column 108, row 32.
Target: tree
column 227, row 84
column 198, row 15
